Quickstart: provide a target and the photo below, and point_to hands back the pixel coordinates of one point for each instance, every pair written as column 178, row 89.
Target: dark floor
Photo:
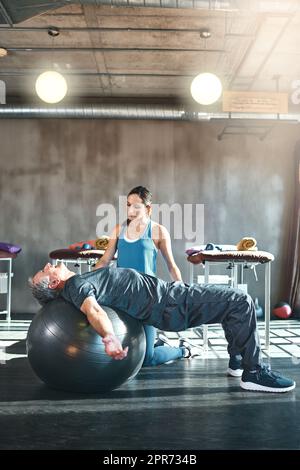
column 188, row 404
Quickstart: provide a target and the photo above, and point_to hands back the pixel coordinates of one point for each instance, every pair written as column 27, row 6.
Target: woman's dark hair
column 143, row 193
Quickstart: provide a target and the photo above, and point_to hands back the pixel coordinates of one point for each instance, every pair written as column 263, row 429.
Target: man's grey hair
column 41, row 292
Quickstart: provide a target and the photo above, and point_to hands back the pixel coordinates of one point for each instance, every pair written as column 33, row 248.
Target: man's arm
column 99, row 320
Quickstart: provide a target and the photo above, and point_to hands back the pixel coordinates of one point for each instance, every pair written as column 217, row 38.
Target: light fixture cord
column 52, row 52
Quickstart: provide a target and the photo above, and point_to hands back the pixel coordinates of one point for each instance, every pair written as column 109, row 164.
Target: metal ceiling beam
column 16, row 11
column 211, row 5
column 111, row 49
column 16, row 73
column 259, row 27
column 270, row 52
column 248, row 50
column 5, row 14
column 20, row 10
column 107, row 30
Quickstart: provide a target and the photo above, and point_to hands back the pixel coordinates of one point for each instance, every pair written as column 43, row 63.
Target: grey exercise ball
column 66, row 353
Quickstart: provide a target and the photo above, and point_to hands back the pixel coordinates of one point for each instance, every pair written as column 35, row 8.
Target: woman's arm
column 164, row 245
column 99, row 320
column 110, row 250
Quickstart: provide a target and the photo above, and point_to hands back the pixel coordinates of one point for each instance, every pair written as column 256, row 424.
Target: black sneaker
column 235, row 366
column 191, row 350
column 265, row 380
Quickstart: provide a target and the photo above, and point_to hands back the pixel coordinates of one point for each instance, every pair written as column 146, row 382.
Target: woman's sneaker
column 162, row 340
column 265, row 380
column 190, row 349
column 235, row 366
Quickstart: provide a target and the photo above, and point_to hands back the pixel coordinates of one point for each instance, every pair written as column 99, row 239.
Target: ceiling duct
column 141, row 112
column 94, row 112
column 16, row 11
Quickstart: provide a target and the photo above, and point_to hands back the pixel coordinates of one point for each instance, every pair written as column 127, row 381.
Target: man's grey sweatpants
column 195, row 305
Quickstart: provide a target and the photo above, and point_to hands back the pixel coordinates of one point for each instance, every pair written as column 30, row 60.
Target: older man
column 169, row 306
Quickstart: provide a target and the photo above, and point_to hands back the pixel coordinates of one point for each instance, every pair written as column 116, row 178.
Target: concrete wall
column 55, row 173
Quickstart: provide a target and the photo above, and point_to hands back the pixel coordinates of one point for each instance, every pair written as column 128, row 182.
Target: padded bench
column 235, row 259
column 77, row 258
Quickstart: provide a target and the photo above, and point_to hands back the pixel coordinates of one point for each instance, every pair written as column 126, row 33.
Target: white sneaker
column 163, row 339
column 192, row 350
column 235, row 367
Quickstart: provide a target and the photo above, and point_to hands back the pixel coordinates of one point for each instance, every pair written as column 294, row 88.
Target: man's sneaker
column 265, row 380
column 191, row 350
column 235, row 366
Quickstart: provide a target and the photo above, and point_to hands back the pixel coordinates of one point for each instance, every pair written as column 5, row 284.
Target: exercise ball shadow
column 66, row 353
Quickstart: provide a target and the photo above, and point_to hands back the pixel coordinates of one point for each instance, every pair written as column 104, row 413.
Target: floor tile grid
column 284, row 339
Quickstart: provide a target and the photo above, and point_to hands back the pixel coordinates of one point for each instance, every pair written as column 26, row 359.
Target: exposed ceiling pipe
column 141, row 112
column 94, row 112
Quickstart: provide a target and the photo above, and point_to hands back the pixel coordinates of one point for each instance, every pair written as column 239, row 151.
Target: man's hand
column 99, row 320
column 113, row 347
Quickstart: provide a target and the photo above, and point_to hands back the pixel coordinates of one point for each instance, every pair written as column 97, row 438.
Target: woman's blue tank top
column 137, row 254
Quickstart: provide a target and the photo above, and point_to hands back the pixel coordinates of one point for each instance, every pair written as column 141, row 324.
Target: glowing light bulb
column 206, row 88
column 51, row 87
